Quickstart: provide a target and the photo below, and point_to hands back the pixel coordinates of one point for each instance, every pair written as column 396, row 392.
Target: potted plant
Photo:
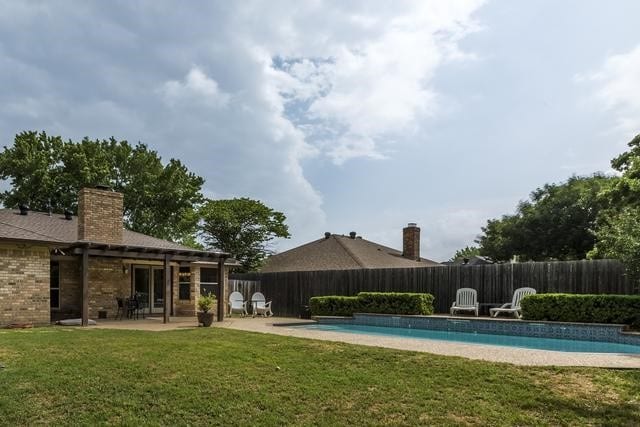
column 205, row 304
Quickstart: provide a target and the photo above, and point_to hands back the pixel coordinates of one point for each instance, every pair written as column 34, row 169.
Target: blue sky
column 357, row 115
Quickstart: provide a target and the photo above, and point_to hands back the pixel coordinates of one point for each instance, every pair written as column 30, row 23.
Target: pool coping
column 485, row 352
column 612, row 333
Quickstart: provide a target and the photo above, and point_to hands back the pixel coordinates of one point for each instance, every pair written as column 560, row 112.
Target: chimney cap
column 352, row 234
column 412, row 225
column 327, row 234
column 104, row 187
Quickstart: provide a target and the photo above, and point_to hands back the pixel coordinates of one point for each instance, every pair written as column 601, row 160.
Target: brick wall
column 186, row 307
column 24, row 284
column 411, row 242
column 100, row 215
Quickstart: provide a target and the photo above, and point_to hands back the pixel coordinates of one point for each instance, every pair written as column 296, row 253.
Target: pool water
column 554, row 344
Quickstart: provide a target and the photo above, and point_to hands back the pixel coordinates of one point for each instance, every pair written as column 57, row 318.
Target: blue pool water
column 466, row 337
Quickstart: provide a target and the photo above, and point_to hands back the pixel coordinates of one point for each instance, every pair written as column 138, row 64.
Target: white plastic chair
column 260, row 305
column 514, row 305
column 466, row 300
column 237, row 304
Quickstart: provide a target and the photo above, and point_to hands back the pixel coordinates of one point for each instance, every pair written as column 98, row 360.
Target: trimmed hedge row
column 623, row 309
column 373, row 302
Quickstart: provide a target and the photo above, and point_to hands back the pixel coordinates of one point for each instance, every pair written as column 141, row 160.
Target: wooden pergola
column 91, row 249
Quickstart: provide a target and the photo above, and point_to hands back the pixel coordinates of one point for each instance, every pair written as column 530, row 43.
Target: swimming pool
column 473, row 337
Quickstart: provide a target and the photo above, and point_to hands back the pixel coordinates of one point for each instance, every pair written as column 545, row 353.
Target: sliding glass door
column 148, row 285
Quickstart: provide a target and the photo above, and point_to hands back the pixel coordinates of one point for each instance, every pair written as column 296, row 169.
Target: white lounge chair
column 260, row 305
column 237, row 304
column 514, row 305
column 466, row 300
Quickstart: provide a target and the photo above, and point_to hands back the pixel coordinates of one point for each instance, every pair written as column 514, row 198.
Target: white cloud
column 376, row 86
column 195, row 87
column 276, row 84
column 618, row 82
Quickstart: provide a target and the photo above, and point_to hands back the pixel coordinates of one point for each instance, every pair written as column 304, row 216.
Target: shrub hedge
column 623, row 309
column 373, row 302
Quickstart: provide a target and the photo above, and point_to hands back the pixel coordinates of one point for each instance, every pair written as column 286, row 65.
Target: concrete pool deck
column 491, row 353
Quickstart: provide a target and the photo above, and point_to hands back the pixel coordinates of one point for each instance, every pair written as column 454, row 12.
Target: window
column 184, row 283
column 208, row 281
column 54, row 284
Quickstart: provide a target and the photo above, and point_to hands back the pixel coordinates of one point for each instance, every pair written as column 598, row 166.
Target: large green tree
column 243, row 227
column 618, row 230
column 557, row 222
column 46, row 172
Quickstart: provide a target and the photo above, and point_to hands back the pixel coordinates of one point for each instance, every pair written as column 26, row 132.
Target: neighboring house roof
column 55, row 229
column 338, row 252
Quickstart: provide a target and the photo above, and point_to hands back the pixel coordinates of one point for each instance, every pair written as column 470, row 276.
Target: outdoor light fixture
column 125, row 269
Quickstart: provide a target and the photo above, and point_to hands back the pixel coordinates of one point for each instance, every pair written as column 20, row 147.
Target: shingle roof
column 55, row 229
column 340, row 253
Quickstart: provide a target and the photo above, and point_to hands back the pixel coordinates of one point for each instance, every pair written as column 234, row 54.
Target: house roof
column 56, row 230
column 338, row 252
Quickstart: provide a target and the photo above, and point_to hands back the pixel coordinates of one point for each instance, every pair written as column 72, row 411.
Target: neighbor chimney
column 100, row 215
column 411, row 241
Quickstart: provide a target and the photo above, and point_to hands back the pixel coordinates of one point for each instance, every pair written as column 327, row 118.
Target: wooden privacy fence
column 495, row 283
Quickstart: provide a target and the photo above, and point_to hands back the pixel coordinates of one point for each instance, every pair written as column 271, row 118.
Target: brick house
column 60, row 266
column 339, row 252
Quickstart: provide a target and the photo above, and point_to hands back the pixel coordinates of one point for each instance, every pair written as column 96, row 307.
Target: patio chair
column 260, row 305
column 466, row 300
column 121, row 308
column 237, row 304
column 514, row 305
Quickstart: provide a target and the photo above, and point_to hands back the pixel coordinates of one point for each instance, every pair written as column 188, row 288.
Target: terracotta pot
column 205, row 319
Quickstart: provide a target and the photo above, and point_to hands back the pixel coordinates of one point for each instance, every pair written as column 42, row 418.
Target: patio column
column 85, row 286
column 167, row 288
column 221, row 286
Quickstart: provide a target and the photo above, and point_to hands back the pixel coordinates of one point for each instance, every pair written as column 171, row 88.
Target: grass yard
column 217, row 376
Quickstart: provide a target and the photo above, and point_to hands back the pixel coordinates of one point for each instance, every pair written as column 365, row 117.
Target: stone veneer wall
column 100, row 215
column 24, row 284
column 186, row 307
column 70, row 288
column 107, row 281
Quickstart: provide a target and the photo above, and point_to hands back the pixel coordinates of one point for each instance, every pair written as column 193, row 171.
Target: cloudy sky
column 345, row 115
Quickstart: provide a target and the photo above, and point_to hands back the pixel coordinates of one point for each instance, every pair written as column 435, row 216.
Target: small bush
column 372, row 302
column 623, row 309
column 396, row 302
column 206, row 302
column 334, row 306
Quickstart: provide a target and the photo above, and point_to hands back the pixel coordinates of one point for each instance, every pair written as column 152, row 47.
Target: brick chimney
column 100, row 215
column 411, row 241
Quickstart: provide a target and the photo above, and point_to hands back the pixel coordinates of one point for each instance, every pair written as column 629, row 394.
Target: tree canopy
column 557, row 222
column 467, row 252
column 46, row 172
column 243, row 227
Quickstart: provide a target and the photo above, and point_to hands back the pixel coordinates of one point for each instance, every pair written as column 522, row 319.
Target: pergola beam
column 85, row 287
column 146, row 255
column 167, row 288
column 221, row 289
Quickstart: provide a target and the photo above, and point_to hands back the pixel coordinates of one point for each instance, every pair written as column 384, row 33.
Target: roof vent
column 68, row 215
column 24, row 209
column 327, row 234
column 352, row 234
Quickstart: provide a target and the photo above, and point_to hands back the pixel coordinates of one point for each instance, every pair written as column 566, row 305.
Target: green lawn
column 216, row 376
